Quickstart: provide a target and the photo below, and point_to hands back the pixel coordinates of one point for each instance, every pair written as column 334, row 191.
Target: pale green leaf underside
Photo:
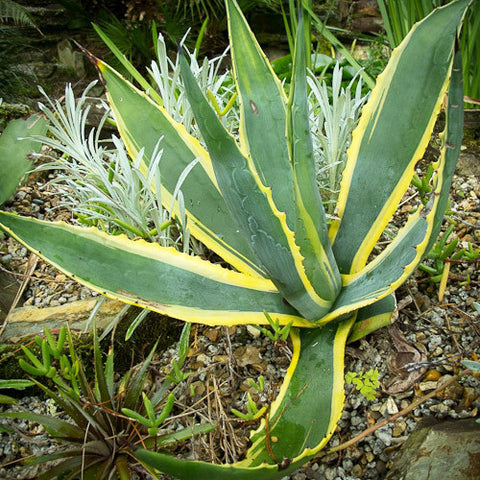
column 13, row 152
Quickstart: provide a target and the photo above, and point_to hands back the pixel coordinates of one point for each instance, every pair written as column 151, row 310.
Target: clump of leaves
column 279, row 332
column 444, row 250
column 253, row 412
column 107, row 418
column 366, row 383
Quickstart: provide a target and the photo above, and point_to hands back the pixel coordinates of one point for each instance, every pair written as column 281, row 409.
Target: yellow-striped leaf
column 159, row 278
column 392, row 135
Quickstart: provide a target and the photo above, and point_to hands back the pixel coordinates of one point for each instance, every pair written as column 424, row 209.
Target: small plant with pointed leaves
column 253, row 412
column 277, row 332
column 108, row 419
column 443, row 250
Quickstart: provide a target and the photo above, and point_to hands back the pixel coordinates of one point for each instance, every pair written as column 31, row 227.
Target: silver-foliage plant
column 97, row 179
column 334, row 113
column 104, row 187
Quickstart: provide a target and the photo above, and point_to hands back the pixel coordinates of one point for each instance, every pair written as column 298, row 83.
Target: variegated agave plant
column 256, row 204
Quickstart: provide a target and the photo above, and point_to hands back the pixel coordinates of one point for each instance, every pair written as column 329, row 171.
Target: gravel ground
column 414, row 356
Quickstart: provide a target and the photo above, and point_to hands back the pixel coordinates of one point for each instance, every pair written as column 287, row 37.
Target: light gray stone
column 468, row 164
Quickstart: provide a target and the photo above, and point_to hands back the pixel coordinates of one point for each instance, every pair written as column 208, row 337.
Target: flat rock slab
column 32, row 320
column 446, row 450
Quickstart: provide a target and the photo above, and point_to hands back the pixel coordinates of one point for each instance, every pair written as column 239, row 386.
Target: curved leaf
column 161, row 279
column 392, row 135
column 373, row 317
column 13, row 153
column 252, row 206
column 311, row 231
column 302, row 418
column 142, row 123
column 452, row 141
column 62, row 428
column 390, row 269
column 262, row 112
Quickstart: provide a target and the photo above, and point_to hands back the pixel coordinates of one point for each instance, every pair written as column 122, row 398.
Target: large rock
column 446, row 450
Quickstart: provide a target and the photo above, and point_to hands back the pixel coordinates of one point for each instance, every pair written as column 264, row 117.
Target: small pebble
column 399, row 427
column 440, row 409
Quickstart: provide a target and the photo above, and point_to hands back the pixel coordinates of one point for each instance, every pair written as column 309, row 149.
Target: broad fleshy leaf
column 392, row 135
column 311, row 230
column 264, row 188
column 452, row 141
column 145, row 125
column 161, row 279
column 253, row 208
column 373, row 317
column 292, row 435
column 383, row 275
column 262, row 113
column 13, row 152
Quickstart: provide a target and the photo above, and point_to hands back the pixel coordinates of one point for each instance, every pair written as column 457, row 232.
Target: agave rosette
column 254, row 202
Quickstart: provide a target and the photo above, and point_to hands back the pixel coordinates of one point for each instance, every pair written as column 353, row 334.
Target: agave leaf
column 383, row 275
column 392, row 135
column 142, row 123
column 317, row 366
column 452, row 141
column 151, row 276
column 373, row 317
column 196, row 470
column 252, row 206
column 262, row 112
column 389, row 270
column 311, row 224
